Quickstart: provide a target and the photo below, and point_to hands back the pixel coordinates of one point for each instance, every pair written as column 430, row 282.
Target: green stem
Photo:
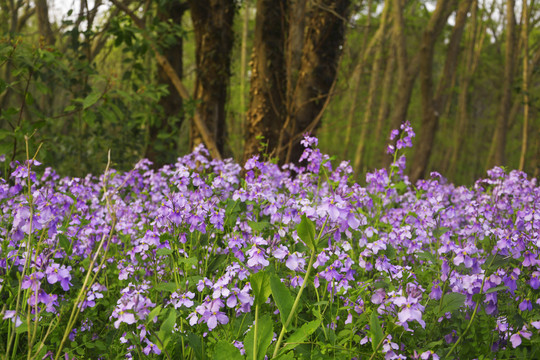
column 295, row 305
column 255, row 328
column 473, row 314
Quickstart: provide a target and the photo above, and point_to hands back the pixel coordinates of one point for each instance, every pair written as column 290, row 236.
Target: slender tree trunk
column 384, row 106
column 44, row 24
column 474, row 47
column 525, row 32
column 161, row 152
column 321, row 52
column 356, row 77
column 497, row 150
column 433, row 105
column 243, row 64
column 214, row 36
column 374, row 84
column 266, row 112
column 294, row 43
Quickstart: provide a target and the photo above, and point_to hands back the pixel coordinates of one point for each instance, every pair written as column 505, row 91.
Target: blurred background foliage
column 83, row 78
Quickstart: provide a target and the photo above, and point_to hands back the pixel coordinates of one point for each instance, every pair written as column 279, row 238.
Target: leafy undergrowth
column 195, row 262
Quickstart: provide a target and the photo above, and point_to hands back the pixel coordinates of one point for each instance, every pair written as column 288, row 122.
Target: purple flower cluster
column 187, row 238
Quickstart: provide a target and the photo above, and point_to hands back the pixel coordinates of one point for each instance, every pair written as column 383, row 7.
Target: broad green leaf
column 283, row 299
column 306, row 232
column 64, row 243
column 195, row 343
column 168, row 286
column 91, row 99
column 226, row 351
column 155, row 312
column 300, row 335
column 260, row 284
column 168, row 325
column 264, row 338
column 163, row 251
column 376, row 330
column 452, row 302
column 258, row 226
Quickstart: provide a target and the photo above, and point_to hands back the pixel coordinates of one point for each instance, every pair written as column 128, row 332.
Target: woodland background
column 155, row 78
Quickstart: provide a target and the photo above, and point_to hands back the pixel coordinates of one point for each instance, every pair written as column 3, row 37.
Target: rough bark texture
column 212, row 23
column 266, row 112
column 433, row 106
column 159, row 151
column 321, row 52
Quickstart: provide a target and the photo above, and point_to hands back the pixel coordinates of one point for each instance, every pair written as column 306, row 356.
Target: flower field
column 205, row 260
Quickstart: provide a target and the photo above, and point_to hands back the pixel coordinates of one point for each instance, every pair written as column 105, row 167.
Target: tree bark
column 214, row 36
column 44, row 24
column 162, row 151
column 321, row 52
column 433, row 105
column 266, row 112
column 525, row 89
column 498, row 145
column 476, row 37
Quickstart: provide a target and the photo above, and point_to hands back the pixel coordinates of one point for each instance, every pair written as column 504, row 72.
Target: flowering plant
column 192, row 261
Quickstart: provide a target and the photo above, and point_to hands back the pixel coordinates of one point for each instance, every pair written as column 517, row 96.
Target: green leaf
column 163, row 252
column 376, row 330
column 65, row 243
column 89, row 117
column 264, row 338
column 496, row 288
column 226, row 351
column 258, row 226
column 260, row 284
column 169, row 287
column 306, row 232
column 195, row 343
column 155, row 312
column 452, row 302
column 283, row 299
column 168, row 325
column 91, row 99
column 300, row 335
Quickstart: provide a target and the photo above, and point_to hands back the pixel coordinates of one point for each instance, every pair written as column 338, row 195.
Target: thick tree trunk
column 266, row 112
column 214, row 36
column 433, row 106
column 159, row 151
column 321, row 52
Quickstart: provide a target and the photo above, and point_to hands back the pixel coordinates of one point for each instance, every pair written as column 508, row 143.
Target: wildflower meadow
column 205, row 259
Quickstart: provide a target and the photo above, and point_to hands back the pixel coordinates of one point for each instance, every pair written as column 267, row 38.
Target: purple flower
column 410, row 310
column 184, row 299
column 256, row 257
column 211, row 314
column 516, row 338
column 55, row 274
column 295, row 262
